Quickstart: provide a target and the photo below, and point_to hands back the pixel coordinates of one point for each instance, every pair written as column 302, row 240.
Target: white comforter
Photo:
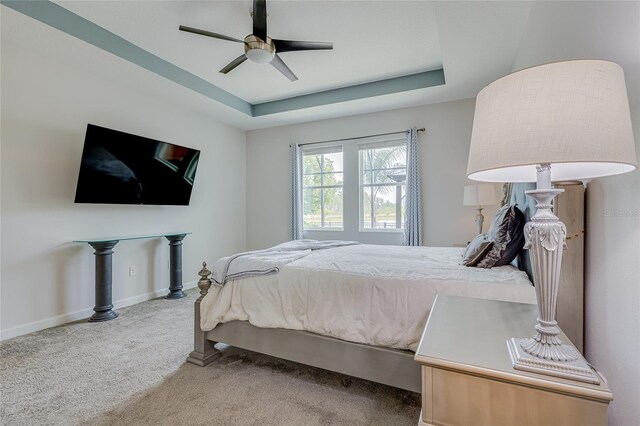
column 377, row 295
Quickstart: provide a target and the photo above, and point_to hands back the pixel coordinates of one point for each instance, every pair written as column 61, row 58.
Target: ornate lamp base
column 479, row 220
column 544, row 238
column 577, row 369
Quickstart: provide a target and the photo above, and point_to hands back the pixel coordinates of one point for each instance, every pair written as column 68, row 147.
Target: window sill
column 323, row 230
column 383, row 231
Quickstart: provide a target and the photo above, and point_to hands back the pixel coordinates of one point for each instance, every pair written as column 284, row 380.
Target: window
column 322, row 182
column 383, row 183
column 354, row 186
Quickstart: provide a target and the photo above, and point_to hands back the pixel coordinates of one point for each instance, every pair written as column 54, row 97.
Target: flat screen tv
column 121, row 168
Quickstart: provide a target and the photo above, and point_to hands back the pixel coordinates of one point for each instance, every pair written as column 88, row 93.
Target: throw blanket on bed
column 267, row 261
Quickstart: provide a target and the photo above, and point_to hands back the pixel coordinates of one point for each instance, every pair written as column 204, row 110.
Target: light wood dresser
column 468, row 377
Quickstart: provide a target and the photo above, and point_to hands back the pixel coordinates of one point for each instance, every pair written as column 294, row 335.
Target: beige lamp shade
column 573, row 115
column 480, row 195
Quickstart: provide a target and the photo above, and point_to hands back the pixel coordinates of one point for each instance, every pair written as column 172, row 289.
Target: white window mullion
column 322, row 222
column 399, row 206
column 351, row 197
column 360, row 191
column 371, row 196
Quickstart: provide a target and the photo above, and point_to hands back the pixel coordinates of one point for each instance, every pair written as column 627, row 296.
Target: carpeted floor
column 132, row 371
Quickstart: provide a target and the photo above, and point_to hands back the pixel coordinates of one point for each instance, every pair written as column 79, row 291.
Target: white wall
column 444, row 149
column 604, row 30
column 46, row 105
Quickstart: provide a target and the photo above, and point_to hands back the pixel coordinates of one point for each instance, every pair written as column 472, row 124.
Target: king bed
column 355, row 309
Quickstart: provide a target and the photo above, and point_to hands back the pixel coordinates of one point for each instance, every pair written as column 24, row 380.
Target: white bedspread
column 377, row 295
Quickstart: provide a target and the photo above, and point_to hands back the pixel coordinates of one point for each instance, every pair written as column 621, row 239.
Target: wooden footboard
column 204, row 351
column 388, row 366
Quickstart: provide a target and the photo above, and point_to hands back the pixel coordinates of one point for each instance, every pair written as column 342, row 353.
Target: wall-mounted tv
column 121, row 168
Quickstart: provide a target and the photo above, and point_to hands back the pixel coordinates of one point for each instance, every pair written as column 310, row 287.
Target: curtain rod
column 358, row 137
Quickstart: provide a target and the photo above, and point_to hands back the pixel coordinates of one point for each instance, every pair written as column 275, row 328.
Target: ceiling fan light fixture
column 258, row 51
column 258, row 47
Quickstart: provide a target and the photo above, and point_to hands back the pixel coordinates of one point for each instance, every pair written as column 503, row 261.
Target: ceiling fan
column 260, row 48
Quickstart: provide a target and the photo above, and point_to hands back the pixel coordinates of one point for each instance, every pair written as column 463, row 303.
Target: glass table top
column 129, row 237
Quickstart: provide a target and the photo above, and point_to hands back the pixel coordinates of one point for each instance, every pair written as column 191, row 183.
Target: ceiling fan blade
column 237, row 61
column 292, row 45
column 260, row 19
column 279, row 64
column 208, row 34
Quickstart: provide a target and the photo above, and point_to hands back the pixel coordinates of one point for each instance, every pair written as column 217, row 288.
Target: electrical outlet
column 132, row 271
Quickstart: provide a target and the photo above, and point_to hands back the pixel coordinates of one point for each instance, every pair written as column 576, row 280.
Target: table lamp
column 479, row 196
column 560, row 121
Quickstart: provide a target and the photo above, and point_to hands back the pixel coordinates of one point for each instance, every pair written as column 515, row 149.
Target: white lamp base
column 577, row 369
column 479, row 220
column 545, row 353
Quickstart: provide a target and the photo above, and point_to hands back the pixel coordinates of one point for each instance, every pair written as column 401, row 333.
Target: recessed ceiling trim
column 68, row 22
column 365, row 90
column 64, row 20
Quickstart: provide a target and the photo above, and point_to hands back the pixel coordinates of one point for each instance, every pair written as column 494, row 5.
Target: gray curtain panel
column 506, row 193
column 413, row 202
column 296, row 192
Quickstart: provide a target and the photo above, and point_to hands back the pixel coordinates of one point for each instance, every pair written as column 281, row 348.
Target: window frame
column 362, row 148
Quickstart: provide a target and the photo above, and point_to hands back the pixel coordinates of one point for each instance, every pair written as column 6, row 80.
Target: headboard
column 528, row 206
column 569, row 207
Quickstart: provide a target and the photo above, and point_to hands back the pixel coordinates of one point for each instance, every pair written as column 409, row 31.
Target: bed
column 357, row 310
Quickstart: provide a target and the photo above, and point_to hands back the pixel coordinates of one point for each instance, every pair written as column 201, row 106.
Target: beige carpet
column 132, row 371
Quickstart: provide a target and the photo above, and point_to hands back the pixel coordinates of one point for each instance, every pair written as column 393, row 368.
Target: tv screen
column 121, row 168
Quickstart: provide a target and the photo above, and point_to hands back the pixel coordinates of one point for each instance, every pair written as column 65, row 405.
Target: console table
column 103, row 251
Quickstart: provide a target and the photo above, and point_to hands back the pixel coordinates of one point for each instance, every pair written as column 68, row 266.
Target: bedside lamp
column 478, row 196
column 562, row 121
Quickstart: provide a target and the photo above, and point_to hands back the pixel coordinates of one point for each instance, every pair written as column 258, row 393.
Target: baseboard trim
column 82, row 314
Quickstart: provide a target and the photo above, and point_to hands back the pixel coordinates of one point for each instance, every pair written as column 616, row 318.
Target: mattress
column 372, row 294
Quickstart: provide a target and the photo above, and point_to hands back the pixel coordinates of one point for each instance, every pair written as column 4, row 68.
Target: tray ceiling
column 372, row 40
column 387, row 54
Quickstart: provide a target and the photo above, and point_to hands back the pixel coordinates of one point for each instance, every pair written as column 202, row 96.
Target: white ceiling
column 477, row 42
column 372, row 40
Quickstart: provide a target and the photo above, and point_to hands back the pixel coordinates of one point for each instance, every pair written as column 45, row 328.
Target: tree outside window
column 383, row 183
column 322, row 184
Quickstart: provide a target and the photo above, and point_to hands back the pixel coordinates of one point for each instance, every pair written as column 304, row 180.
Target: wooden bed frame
column 391, row 367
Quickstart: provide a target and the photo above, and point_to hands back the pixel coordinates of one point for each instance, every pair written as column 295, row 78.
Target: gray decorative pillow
column 508, row 239
column 476, row 250
column 497, row 220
